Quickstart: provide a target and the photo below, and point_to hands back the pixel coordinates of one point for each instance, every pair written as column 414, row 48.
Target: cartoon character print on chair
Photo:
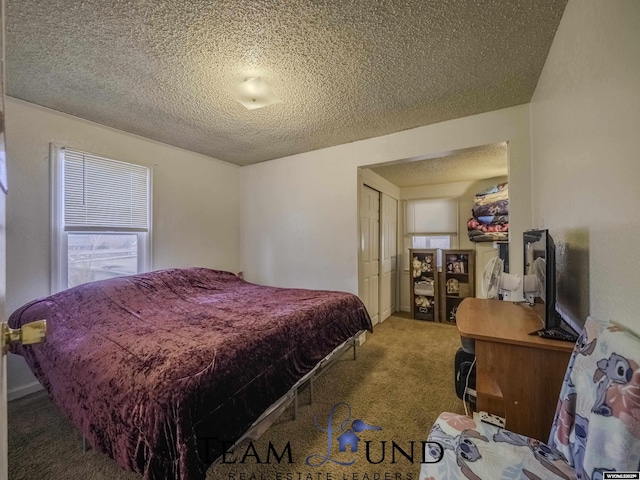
column 462, row 445
column 475, row 450
column 597, row 423
column 585, row 345
column 614, row 370
column 565, row 420
column 565, row 415
column 547, row 456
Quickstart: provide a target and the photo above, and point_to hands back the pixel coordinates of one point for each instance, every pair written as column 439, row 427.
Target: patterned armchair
column 596, row 427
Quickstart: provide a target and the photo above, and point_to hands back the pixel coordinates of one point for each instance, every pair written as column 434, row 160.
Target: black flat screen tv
column 540, row 261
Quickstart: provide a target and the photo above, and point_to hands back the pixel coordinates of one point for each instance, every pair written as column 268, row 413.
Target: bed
column 148, row 367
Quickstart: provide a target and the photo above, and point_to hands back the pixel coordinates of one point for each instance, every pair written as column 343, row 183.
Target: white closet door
column 389, row 226
column 370, row 250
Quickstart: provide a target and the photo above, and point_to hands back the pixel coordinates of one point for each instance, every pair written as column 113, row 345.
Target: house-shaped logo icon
column 348, row 438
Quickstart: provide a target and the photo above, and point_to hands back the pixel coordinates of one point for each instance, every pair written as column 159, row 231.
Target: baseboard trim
column 23, row 391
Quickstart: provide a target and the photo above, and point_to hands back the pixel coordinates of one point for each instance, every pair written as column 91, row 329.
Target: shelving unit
column 458, row 281
column 424, row 284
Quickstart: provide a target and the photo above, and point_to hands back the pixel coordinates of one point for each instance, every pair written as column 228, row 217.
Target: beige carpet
column 401, row 381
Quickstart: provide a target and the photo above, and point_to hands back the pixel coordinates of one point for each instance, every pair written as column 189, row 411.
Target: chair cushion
column 478, row 451
column 597, row 422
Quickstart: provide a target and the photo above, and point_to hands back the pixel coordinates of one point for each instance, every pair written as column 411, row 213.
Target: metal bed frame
column 278, row 407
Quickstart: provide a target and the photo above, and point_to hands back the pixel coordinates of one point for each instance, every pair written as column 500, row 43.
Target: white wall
column 585, row 130
column 299, row 213
column 196, row 203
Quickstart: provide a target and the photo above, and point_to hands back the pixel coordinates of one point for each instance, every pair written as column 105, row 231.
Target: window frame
column 59, row 237
column 408, row 244
column 454, row 236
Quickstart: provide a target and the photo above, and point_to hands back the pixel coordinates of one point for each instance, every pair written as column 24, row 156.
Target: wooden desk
column 518, row 375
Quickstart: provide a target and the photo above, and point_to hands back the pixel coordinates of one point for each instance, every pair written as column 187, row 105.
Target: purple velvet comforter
column 147, row 365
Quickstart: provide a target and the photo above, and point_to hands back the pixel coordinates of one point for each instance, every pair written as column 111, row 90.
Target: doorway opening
column 454, row 178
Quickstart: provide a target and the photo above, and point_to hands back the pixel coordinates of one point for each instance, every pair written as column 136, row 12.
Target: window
column 101, row 218
column 432, row 216
column 438, row 242
column 431, row 223
column 432, row 241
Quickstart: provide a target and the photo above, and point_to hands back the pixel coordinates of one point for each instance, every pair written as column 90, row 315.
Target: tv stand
column 518, row 375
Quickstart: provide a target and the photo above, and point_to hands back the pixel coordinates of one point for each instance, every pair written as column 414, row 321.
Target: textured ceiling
column 345, row 69
column 462, row 166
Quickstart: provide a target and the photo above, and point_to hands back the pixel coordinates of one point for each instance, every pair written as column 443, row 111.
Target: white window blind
column 433, row 216
column 104, row 195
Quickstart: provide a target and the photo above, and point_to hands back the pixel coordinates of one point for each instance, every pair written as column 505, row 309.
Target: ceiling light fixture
column 254, row 93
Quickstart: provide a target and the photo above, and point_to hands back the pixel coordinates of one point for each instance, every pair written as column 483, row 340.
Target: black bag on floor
column 463, row 369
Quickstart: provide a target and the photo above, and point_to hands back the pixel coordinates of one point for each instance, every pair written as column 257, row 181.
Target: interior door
column 4, row 474
column 3, row 356
column 30, row 333
column 389, row 234
column 370, row 250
